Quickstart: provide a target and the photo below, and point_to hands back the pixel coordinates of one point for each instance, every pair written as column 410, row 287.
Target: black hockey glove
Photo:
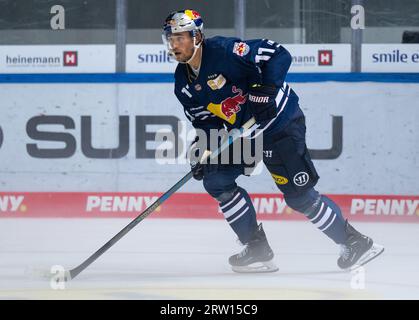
column 261, row 101
column 194, row 156
column 197, row 170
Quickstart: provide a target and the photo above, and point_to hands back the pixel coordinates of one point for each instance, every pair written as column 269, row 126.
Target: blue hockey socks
column 240, row 214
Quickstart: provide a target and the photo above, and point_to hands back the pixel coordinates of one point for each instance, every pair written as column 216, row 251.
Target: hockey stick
column 71, row 274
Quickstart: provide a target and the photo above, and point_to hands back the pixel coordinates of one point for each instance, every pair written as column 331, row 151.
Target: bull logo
column 228, row 108
column 231, row 105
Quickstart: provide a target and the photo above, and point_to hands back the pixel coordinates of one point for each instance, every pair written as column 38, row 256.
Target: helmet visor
column 171, row 40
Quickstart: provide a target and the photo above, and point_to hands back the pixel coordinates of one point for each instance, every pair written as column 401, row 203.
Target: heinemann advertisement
column 57, row 59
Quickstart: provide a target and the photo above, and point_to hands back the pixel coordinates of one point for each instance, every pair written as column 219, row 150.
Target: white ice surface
column 187, row 259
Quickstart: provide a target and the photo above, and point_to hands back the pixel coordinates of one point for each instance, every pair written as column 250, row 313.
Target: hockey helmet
column 181, row 21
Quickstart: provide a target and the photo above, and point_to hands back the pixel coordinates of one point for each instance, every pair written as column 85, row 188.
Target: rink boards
column 89, row 150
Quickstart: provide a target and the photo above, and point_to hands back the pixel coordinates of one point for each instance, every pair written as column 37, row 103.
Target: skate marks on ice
column 187, row 259
column 120, row 284
column 113, row 285
column 217, row 283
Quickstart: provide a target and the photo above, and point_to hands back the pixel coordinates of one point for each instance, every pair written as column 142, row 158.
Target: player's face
column 182, row 46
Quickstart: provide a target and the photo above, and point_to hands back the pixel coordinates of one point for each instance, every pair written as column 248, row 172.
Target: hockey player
column 223, row 82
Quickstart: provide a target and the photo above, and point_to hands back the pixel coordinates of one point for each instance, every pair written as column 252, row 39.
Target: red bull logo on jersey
column 241, row 49
column 228, row 108
column 231, row 106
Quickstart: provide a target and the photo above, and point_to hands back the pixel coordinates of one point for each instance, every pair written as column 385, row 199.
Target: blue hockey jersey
column 217, row 98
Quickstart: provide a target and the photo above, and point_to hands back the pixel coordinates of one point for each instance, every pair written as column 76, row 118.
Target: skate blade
column 257, row 267
column 371, row 254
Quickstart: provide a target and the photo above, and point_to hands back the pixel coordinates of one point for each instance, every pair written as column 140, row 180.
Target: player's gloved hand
column 194, row 156
column 261, row 101
column 197, row 170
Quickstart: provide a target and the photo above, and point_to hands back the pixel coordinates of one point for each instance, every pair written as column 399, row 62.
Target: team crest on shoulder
column 241, row 49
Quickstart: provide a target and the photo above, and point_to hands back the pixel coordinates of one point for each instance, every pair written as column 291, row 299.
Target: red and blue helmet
column 181, row 21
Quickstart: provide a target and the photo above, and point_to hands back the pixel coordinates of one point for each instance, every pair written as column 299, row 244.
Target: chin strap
column 196, row 47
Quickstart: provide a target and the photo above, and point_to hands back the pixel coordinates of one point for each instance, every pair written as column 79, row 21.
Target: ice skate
column 256, row 257
column 357, row 250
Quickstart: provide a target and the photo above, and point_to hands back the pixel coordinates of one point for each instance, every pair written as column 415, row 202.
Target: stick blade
column 55, row 273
